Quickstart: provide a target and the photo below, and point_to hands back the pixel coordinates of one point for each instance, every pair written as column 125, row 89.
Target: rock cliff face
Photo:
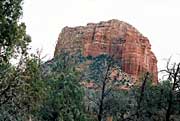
column 115, row 38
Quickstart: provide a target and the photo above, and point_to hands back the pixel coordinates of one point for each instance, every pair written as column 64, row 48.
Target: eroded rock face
column 113, row 37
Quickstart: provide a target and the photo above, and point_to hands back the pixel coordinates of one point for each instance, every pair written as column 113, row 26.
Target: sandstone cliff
column 115, row 38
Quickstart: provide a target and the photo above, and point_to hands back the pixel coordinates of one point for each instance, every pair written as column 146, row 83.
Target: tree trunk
column 30, row 118
column 168, row 113
column 103, row 94
column 142, row 93
column 175, row 74
column 101, row 102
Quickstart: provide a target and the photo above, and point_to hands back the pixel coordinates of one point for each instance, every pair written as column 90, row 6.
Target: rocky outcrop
column 113, row 37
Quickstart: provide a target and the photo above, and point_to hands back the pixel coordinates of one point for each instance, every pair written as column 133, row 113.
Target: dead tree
column 142, row 93
column 103, row 93
column 100, row 72
column 173, row 73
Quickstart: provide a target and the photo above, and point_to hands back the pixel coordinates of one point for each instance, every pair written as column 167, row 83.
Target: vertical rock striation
column 115, row 38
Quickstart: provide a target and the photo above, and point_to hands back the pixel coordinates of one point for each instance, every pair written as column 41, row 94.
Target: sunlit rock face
column 115, row 38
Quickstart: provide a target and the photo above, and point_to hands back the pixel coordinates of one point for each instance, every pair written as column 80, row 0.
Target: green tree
column 13, row 44
column 25, row 94
column 13, row 37
column 33, row 88
column 18, row 81
column 65, row 94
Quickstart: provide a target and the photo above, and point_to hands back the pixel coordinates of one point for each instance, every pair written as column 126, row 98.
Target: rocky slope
column 113, row 37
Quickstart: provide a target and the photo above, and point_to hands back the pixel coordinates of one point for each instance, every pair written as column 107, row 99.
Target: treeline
column 71, row 87
column 77, row 88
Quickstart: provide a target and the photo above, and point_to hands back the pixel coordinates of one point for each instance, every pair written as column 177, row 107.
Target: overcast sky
column 159, row 20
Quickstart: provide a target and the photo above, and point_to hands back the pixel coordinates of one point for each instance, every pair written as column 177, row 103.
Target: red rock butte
column 112, row 37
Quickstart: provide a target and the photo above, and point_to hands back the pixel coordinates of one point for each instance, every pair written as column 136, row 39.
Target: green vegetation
column 64, row 101
column 103, row 92
column 31, row 90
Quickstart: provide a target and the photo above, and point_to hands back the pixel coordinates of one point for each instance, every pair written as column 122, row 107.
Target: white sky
column 159, row 20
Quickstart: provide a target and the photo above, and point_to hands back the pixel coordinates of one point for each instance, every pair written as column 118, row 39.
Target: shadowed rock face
column 115, row 38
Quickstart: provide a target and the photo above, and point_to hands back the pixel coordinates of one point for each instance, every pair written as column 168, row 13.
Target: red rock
column 115, row 38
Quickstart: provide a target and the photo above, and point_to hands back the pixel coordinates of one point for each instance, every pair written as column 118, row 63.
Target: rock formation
column 112, row 37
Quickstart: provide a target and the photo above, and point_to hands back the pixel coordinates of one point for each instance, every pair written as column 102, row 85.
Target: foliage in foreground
column 52, row 92
column 64, row 100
